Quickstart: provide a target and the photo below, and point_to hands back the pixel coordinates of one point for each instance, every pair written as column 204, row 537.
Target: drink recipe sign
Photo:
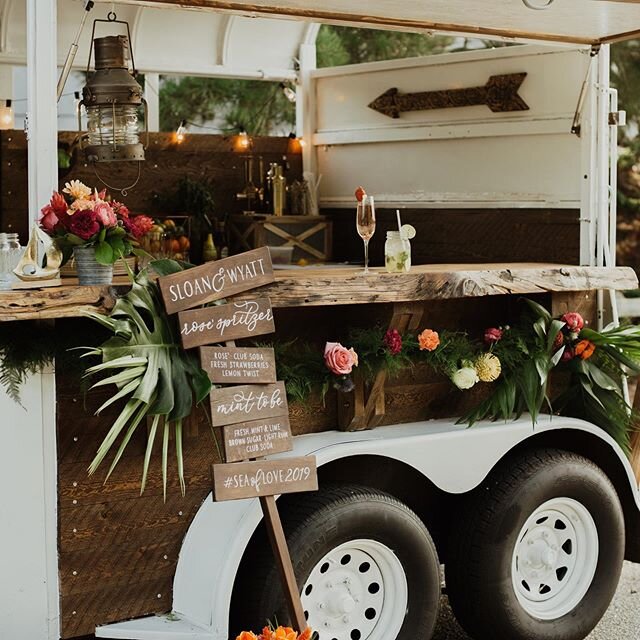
column 253, row 416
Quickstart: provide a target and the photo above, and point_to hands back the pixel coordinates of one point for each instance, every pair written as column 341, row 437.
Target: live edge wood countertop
column 317, row 286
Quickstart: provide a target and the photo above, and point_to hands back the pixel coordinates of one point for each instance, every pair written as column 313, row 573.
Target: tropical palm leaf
column 149, row 369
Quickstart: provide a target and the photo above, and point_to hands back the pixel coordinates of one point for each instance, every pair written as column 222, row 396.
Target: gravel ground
column 621, row 622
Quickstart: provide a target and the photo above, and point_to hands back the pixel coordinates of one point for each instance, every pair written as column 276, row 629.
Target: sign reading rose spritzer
column 216, row 280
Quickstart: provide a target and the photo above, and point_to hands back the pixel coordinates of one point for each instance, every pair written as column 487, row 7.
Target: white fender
column 215, row 543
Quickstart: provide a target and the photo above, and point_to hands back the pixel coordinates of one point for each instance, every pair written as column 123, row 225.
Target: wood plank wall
column 467, row 235
column 200, row 157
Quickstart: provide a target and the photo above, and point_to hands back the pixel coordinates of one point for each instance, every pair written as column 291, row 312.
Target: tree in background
column 261, row 107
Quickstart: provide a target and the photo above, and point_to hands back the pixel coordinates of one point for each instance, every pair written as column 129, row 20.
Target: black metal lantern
column 112, row 98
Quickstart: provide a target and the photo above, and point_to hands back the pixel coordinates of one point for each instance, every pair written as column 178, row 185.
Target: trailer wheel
column 539, row 553
column 366, row 564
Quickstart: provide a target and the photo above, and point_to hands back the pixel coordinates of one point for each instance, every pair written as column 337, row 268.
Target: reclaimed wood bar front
column 321, row 286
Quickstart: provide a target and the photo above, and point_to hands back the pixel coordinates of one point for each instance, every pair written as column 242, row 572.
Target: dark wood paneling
column 466, row 236
column 200, row 157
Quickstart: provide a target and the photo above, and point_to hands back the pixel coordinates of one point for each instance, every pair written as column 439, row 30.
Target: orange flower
column 285, row 633
column 247, row 635
column 428, row 340
column 306, row 634
column 584, row 349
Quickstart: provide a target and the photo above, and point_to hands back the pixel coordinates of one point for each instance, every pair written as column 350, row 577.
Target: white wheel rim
column 358, row 591
column 555, row 558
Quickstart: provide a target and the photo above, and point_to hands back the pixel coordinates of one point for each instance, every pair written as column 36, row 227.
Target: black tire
column 322, row 521
column 479, row 573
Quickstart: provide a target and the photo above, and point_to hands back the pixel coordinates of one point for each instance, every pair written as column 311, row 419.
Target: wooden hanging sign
column 230, row 365
column 257, row 438
column 246, row 403
column 216, row 280
column 221, row 323
column 264, row 478
column 500, row 94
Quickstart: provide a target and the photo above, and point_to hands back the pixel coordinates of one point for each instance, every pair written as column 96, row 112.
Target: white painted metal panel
column 466, row 156
column 28, row 542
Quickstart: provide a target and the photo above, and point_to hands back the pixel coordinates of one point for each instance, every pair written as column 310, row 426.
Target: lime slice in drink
column 408, row 231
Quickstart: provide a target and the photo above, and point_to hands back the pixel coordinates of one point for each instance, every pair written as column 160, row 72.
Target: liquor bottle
column 209, row 252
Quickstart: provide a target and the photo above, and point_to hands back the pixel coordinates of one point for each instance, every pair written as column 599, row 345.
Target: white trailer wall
column 459, row 157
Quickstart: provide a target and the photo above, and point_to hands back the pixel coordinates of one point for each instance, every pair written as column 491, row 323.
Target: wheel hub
column 356, row 592
column 555, row 558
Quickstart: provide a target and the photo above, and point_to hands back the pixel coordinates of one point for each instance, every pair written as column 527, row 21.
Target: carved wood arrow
column 500, row 94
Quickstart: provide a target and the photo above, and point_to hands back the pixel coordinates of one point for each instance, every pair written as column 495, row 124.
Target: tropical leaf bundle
column 151, row 372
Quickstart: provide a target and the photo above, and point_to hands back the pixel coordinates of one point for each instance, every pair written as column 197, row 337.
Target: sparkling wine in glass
column 366, row 225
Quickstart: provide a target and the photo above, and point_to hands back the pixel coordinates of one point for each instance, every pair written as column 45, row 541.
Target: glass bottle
column 279, row 190
column 397, row 253
column 4, row 262
column 209, row 252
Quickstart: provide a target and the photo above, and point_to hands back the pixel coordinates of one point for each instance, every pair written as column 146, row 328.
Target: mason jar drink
column 397, row 253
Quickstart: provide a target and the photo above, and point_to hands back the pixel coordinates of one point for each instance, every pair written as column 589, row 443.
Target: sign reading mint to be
column 253, row 416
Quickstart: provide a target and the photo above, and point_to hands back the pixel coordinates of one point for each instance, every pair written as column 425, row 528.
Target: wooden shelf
column 317, row 286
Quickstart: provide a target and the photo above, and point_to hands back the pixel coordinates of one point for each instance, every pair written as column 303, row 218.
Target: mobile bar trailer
column 531, row 520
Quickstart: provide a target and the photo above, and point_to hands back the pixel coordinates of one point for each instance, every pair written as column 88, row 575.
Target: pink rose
column 105, row 215
column 48, row 219
column 574, row 321
column 338, row 359
column 492, row 335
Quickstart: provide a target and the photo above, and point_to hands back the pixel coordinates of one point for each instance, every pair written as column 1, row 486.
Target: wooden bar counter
column 321, row 286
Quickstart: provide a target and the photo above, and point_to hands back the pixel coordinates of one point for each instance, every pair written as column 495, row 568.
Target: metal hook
column 537, row 7
column 112, row 17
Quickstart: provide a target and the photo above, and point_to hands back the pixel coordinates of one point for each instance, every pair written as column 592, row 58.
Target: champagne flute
column 366, row 225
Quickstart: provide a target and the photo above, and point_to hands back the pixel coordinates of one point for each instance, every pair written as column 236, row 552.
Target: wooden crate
column 310, row 236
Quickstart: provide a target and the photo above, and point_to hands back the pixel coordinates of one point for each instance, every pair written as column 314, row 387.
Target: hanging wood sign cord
column 253, row 415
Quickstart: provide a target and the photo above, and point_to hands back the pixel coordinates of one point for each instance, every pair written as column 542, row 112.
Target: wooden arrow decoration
column 500, row 94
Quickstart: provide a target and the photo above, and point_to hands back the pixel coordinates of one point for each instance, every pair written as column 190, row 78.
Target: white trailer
column 514, row 501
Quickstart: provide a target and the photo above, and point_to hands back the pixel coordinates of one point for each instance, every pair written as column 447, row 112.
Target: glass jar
column 397, row 253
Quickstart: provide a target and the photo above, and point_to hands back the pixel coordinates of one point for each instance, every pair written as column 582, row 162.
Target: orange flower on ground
column 584, row 349
column 247, row 635
column 428, row 340
column 285, row 633
column 306, row 634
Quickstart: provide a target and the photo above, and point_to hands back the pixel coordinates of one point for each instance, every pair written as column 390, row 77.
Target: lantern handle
column 112, row 19
column 122, row 190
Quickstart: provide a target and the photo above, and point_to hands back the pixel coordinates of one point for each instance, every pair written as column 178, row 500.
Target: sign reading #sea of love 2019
column 216, row 280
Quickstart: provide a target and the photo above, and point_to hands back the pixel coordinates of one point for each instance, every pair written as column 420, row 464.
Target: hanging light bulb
column 289, row 93
column 7, row 120
column 111, row 98
column 243, row 141
column 181, row 132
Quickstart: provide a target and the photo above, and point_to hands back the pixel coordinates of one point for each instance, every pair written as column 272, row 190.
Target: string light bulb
column 181, row 132
column 7, row 120
column 289, row 93
column 244, row 141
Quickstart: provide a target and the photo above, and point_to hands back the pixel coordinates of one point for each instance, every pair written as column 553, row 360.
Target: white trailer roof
column 572, row 21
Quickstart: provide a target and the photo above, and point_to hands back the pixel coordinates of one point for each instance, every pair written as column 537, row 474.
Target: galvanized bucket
column 90, row 271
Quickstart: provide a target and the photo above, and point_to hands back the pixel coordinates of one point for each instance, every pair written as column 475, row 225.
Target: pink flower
column 84, row 224
column 574, row 321
column 338, row 359
column 48, row 219
column 137, row 226
column 492, row 335
column 105, row 215
column 567, row 354
column 58, row 203
column 122, row 211
column 393, row 341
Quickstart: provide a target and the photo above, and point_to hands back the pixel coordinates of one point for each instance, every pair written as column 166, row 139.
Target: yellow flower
column 77, row 189
column 488, row 367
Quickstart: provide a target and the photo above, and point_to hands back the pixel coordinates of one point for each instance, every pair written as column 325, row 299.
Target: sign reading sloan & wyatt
column 216, row 280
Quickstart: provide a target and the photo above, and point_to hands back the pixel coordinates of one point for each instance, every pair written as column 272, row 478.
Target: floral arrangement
column 514, row 362
column 80, row 216
column 281, row 633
